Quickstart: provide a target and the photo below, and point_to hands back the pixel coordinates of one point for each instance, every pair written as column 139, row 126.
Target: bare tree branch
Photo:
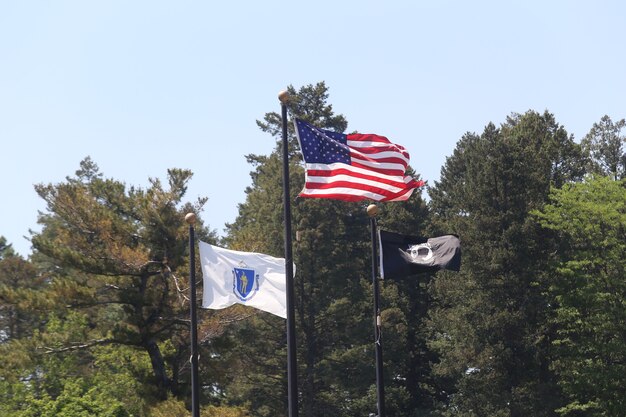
column 77, row 346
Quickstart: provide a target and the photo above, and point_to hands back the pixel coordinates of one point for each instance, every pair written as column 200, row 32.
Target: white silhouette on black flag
column 404, row 255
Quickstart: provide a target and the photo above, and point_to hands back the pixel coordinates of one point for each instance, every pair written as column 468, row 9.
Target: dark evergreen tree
column 488, row 322
column 328, row 269
column 6, row 249
column 332, row 284
column 405, row 306
column 19, row 315
column 604, row 144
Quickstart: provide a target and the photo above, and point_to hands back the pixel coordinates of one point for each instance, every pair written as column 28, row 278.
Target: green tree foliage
column 76, row 399
column 116, row 375
column 588, row 292
column 23, row 310
column 410, row 388
column 6, row 249
column 605, row 146
column 176, row 408
column 488, row 321
column 19, row 314
column 118, row 254
column 332, row 284
column 95, row 322
column 100, row 382
column 329, row 245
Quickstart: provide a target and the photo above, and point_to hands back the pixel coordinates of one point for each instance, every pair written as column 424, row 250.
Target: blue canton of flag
column 323, row 146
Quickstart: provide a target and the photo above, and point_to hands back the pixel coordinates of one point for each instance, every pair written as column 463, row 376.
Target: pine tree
column 326, row 271
column 409, row 386
column 488, row 322
column 118, row 255
column 334, row 317
column 19, row 314
column 604, row 144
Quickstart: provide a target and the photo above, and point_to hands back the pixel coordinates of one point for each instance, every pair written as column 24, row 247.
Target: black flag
column 403, row 255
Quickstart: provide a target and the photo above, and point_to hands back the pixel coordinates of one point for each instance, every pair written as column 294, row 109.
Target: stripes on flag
column 353, row 167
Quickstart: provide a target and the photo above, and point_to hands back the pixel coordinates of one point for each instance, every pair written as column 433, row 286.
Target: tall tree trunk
column 163, row 383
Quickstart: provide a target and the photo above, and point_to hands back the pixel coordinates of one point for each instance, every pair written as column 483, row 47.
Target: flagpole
column 292, row 379
column 190, row 218
column 372, row 211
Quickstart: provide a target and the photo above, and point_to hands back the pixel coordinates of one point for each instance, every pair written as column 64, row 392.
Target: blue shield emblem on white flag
column 245, row 283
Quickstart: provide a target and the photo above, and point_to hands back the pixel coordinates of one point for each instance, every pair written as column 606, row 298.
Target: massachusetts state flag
column 353, row 167
column 248, row 278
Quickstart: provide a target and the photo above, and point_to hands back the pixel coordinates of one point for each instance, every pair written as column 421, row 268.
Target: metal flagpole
column 372, row 211
column 190, row 218
column 292, row 380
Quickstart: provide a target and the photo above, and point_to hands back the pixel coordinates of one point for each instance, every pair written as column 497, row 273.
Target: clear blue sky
column 143, row 86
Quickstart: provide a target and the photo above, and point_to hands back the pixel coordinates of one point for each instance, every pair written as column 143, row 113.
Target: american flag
column 353, row 167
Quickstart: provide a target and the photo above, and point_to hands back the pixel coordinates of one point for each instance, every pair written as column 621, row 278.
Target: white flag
column 252, row 279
